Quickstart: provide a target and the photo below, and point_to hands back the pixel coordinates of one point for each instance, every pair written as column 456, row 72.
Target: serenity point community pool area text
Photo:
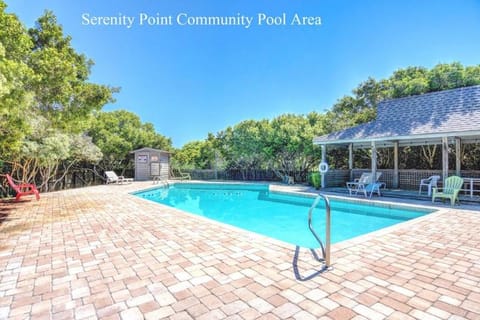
column 184, row 19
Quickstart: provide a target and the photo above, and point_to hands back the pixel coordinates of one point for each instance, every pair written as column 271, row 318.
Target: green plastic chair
column 451, row 189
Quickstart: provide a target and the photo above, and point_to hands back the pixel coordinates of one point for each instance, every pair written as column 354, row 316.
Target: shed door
column 142, row 169
column 155, row 169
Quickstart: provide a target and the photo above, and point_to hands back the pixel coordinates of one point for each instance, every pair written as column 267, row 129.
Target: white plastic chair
column 366, row 180
column 113, row 178
column 430, row 182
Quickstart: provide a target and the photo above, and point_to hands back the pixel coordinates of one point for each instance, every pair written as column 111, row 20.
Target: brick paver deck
column 100, row 253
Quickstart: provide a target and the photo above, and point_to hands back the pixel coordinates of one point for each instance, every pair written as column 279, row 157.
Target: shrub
column 315, row 180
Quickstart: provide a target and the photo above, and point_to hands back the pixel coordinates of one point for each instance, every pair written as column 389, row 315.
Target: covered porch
column 402, row 194
column 448, row 119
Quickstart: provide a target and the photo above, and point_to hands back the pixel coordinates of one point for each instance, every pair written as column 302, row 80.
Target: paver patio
column 101, row 253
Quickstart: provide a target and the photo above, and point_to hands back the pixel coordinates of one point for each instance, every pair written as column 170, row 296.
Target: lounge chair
column 352, row 186
column 23, row 189
column 452, row 187
column 430, row 182
column 365, row 184
column 180, row 175
column 373, row 187
column 113, row 178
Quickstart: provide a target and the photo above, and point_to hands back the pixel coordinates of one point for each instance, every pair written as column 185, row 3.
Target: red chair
column 23, row 189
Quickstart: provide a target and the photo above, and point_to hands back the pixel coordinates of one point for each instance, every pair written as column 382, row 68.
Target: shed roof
column 417, row 120
column 149, row 150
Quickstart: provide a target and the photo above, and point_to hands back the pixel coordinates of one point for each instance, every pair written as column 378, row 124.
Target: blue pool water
column 278, row 215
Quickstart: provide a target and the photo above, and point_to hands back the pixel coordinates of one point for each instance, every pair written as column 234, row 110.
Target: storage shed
column 151, row 164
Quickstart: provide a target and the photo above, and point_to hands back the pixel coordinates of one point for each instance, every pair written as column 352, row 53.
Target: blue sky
column 189, row 80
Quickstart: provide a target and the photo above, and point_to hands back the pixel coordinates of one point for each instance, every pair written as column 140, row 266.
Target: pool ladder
column 157, row 180
column 326, row 248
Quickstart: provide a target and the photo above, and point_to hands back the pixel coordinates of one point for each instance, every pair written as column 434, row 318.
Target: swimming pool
column 277, row 215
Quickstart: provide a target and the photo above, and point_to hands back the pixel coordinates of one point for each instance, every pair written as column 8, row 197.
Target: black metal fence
column 90, row 176
column 76, row 178
column 245, row 175
column 409, row 179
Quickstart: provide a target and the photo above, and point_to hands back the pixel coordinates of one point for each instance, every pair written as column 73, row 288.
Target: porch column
column 324, row 157
column 458, row 160
column 395, row 165
column 350, row 160
column 444, row 158
column 374, row 160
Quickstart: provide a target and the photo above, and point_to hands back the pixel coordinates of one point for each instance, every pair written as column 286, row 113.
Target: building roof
column 417, row 120
column 149, row 150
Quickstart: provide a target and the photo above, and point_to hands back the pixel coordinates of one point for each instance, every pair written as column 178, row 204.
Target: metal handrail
column 326, row 249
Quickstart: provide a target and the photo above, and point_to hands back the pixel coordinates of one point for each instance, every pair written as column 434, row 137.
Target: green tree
column 290, row 146
column 46, row 101
column 62, row 91
column 472, row 75
column 119, row 132
column 13, row 36
column 50, row 149
column 350, row 111
column 203, row 154
column 446, row 76
column 408, row 81
column 16, row 99
column 189, row 156
column 243, row 146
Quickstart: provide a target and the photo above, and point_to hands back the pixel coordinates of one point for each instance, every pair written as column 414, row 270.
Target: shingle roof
column 149, row 150
column 450, row 112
